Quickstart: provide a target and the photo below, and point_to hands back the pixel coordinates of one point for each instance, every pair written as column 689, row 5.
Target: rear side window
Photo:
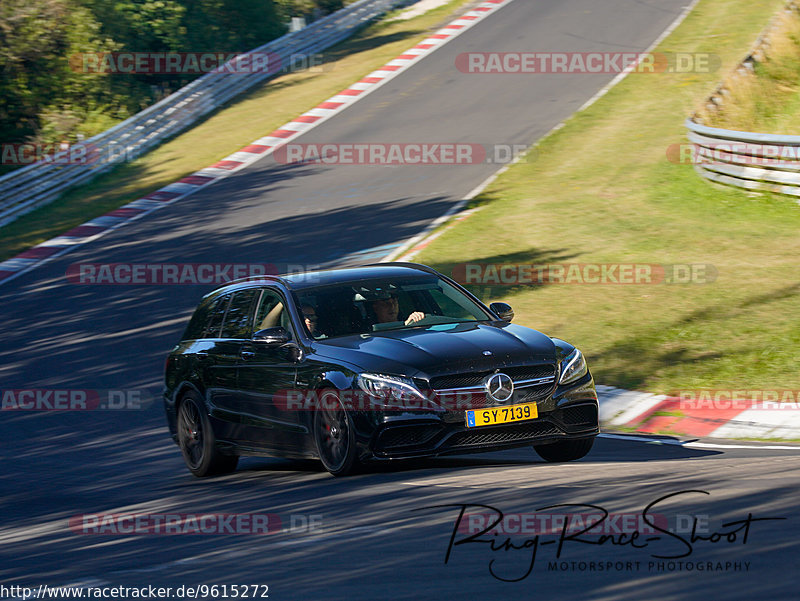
column 214, row 320
column 207, row 319
column 239, row 318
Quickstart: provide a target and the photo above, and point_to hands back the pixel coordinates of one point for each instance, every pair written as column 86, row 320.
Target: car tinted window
column 216, row 312
column 207, row 318
column 365, row 306
column 239, row 318
column 272, row 312
column 199, row 320
column 445, row 300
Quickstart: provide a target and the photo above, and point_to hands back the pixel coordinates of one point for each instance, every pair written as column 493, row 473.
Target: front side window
column 239, row 318
column 272, row 312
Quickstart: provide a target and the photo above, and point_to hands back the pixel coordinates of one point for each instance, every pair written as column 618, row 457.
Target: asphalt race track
column 375, row 535
column 378, row 536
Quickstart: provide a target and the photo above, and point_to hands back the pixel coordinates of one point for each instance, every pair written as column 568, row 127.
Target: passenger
column 310, row 318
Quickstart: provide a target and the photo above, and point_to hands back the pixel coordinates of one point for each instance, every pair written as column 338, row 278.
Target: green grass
column 666, row 414
column 769, row 101
column 246, row 119
column 601, row 190
column 774, row 440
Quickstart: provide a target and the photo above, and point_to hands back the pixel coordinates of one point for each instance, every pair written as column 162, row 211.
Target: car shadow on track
column 604, row 451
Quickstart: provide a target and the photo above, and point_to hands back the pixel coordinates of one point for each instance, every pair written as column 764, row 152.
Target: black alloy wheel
column 334, row 436
column 197, row 442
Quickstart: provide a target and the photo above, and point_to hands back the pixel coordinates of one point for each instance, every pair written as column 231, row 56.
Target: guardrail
column 748, row 160
column 40, row 183
column 753, row 161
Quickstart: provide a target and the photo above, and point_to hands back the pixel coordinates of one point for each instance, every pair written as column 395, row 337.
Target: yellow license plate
column 501, row 415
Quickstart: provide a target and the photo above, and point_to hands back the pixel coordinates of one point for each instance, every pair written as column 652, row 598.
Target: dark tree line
column 46, row 94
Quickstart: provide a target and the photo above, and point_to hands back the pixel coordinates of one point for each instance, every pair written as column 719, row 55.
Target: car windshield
column 366, row 306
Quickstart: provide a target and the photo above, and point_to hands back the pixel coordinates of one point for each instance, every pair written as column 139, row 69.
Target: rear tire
column 197, row 441
column 334, row 436
column 564, row 450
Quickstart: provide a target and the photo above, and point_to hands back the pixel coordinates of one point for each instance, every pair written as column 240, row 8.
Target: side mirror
column 276, row 335
column 503, row 311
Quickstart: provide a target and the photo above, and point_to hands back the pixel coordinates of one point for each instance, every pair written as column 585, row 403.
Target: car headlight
column 389, row 388
column 573, row 367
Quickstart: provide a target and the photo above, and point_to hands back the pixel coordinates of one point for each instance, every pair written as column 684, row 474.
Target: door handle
column 247, row 354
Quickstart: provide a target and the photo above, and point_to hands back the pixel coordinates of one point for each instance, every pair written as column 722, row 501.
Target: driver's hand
column 415, row 316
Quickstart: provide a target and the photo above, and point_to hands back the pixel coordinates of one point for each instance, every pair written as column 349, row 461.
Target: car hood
column 442, row 349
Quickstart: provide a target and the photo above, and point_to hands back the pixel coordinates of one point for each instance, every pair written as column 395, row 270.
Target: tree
column 37, row 38
column 47, row 92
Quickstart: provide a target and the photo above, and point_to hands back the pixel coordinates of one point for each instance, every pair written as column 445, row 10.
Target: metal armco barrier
column 40, row 183
column 748, row 160
column 752, row 161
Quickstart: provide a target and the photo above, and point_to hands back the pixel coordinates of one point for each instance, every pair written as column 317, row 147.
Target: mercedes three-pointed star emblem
column 499, row 387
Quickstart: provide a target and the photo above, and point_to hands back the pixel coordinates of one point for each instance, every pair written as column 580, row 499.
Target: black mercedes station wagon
column 365, row 364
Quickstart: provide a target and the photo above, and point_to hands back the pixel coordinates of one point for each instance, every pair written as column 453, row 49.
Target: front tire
column 564, row 450
column 197, row 441
column 334, row 436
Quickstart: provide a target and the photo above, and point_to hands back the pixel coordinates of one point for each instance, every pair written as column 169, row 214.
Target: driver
column 310, row 319
column 387, row 309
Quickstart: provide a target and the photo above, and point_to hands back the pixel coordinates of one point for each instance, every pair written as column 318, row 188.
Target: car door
column 223, row 356
column 209, row 351
column 266, row 372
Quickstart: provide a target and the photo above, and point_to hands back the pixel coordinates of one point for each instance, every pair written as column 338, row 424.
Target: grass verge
column 227, row 130
column 602, row 190
column 768, row 99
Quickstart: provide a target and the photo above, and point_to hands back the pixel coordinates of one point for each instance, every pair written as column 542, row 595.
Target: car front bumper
column 569, row 413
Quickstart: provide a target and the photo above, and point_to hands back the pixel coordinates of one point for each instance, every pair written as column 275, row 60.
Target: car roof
column 308, row 279
column 348, row 274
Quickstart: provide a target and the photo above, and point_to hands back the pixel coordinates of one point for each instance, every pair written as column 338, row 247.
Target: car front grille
column 532, row 393
column 580, row 417
column 473, row 379
column 507, row 433
column 431, row 439
column 457, row 403
column 460, row 392
column 400, row 437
